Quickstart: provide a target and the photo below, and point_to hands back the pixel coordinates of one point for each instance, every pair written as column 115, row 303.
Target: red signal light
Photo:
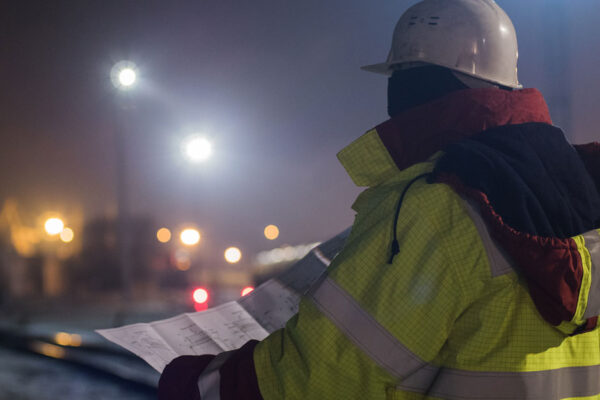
column 247, row 290
column 200, row 296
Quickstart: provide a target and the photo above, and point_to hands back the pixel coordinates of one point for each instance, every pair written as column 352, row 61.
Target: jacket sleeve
column 370, row 324
column 235, row 378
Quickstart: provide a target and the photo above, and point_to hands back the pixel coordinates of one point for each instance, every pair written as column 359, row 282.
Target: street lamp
column 67, row 235
column 163, row 235
column 124, row 75
column 54, row 226
column 197, row 148
column 271, row 232
column 233, row 255
column 190, row 237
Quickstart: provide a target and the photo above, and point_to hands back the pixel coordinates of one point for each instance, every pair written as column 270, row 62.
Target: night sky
column 275, row 84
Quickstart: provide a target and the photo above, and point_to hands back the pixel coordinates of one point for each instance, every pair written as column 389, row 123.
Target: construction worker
column 472, row 269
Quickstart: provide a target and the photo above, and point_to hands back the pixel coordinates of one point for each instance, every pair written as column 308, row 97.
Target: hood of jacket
column 539, row 195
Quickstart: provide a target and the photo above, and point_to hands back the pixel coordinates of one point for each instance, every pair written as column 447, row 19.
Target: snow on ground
column 26, row 377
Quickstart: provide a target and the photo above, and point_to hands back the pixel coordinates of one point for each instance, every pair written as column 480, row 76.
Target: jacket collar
column 417, row 134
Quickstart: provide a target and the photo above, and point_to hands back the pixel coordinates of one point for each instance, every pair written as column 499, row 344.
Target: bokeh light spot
column 47, row 349
column 62, row 338
column 197, row 149
column 190, row 237
column 163, row 235
column 200, row 295
column 233, row 255
column 54, row 226
column 124, row 75
column 183, row 260
column 271, row 232
column 127, row 76
column 67, row 235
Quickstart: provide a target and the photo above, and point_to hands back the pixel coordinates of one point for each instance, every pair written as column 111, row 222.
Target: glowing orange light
column 62, row 338
column 163, row 235
column 183, row 261
column 75, row 340
column 271, row 232
column 67, row 339
column 183, row 264
column 200, row 295
column 67, row 235
column 247, row 290
column 47, row 349
column 54, row 226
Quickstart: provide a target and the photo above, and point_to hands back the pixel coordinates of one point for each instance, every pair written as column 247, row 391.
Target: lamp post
column 124, row 78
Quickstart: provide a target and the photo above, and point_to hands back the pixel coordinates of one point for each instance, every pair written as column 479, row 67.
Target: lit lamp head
column 190, row 237
column 197, row 148
column 54, row 226
column 124, row 75
column 233, row 255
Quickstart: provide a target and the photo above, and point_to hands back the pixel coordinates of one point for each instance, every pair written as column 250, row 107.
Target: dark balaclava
column 412, row 87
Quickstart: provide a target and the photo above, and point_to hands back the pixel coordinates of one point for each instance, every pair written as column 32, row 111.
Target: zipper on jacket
column 395, row 245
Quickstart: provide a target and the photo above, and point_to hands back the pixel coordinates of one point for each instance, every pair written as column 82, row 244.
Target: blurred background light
column 284, row 254
column 67, row 339
column 233, row 255
column 124, row 75
column 67, row 235
column 75, row 340
column 54, row 226
column 62, row 338
column 163, row 235
column 190, row 237
column 200, row 295
column 47, row 349
column 271, row 232
column 197, row 149
column 183, row 260
column 247, row 290
column 127, row 77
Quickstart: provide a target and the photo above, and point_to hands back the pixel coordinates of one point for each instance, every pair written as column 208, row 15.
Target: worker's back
column 468, row 307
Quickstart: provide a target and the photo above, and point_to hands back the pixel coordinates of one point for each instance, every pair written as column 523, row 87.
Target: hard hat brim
column 381, row 68
column 387, row 69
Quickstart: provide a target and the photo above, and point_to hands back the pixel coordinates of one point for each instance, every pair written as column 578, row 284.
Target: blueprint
column 230, row 325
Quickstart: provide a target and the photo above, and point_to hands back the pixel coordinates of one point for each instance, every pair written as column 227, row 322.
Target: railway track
column 102, row 363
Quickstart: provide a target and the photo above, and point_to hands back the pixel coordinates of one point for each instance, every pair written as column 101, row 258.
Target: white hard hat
column 471, row 37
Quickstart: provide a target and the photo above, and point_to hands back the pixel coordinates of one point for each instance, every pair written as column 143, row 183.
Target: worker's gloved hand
column 179, row 380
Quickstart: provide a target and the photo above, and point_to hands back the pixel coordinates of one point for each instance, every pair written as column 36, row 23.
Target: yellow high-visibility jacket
column 430, row 298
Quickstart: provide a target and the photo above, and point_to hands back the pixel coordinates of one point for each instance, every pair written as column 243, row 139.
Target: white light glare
column 284, row 254
column 197, row 149
column 233, row 255
column 124, row 75
column 54, row 226
column 190, row 237
column 127, row 77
